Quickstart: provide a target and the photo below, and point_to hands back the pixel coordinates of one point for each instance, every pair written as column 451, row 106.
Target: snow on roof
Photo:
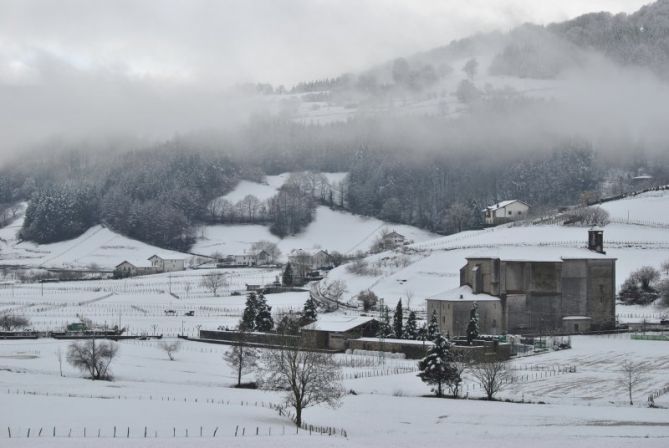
column 138, row 263
column 503, row 204
column 169, row 256
column 577, row 318
column 537, row 253
column 338, row 325
column 393, row 233
column 396, row 341
column 642, row 177
column 463, row 294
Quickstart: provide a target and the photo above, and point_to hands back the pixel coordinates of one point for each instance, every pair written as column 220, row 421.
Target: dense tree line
column 430, row 172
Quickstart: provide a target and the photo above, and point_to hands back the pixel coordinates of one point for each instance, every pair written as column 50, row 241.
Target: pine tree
column 473, row 325
column 263, row 321
column 422, row 332
column 309, row 312
column 250, row 314
column 385, row 328
column 437, row 368
column 287, row 277
column 398, row 320
column 433, row 327
column 411, row 328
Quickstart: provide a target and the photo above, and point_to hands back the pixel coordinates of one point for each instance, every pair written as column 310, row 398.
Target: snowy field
column 168, row 398
column 331, row 230
column 139, row 304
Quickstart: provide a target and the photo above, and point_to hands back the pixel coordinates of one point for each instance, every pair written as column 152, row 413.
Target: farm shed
column 334, row 334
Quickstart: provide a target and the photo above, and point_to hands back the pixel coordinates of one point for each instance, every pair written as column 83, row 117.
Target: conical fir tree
column 437, row 368
column 411, row 328
column 250, row 312
column 433, row 327
column 473, row 325
column 264, row 321
column 287, row 277
column 309, row 312
column 398, row 320
column 385, row 328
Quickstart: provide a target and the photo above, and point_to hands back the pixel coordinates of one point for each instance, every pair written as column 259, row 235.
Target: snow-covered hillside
column 434, row 267
column 650, row 208
column 98, row 245
column 333, row 230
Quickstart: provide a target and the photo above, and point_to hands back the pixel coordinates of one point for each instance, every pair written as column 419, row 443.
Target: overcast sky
column 227, row 41
column 80, row 68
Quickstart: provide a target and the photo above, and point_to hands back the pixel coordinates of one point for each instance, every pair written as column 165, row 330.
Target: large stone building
column 533, row 291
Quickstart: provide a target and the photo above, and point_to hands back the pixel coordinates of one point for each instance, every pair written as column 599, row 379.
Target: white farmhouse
column 505, row 211
column 393, row 239
column 164, row 264
column 134, row 267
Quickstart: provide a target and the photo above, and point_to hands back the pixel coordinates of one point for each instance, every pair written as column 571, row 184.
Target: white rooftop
column 538, row 253
column 137, row 262
column 502, row 204
column 396, row 341
column 338, row 324
column 170, row 256
column 463, row 294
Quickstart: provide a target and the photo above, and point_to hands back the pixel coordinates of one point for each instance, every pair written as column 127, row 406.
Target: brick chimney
column 596, row 240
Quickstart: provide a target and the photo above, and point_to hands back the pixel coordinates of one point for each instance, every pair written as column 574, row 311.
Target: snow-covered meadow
column 383, row 408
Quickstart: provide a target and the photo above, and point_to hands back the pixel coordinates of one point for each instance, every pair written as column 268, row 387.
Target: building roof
column 577, row 318
column 393, row 234
column 537, row 254
column 139, row 263
column 338, row 325
column 503, row 204
column 168, row 257
column 463, row 293
column 396, row 341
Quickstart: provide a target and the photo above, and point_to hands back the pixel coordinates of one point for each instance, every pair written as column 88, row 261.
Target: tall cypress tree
column 473, row 325
column 287, row 277
column 398, row 320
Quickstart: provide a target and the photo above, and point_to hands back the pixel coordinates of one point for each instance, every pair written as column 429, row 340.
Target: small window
column 575, row 327
column 520, row 213
column 510, row 212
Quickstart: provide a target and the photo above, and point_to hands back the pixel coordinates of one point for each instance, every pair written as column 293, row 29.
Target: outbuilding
column 334, row 333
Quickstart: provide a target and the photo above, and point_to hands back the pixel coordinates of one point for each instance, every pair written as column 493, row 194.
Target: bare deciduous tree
column 631, row 375
column 9, row 322
column 310, row 378
column 242, row 357
column 214, row 282
column 491, row 374
column 271, row 248
column 171, row 348
column 92, row 357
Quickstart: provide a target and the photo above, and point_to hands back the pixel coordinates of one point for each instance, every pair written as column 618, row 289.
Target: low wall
column 255, row 338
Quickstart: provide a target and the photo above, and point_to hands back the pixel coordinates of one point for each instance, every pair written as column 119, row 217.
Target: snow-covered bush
column 588, row 216
column 640, row 286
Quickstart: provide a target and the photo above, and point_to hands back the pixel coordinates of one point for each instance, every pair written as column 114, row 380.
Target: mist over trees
column 426, row 172
column 434, row 171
